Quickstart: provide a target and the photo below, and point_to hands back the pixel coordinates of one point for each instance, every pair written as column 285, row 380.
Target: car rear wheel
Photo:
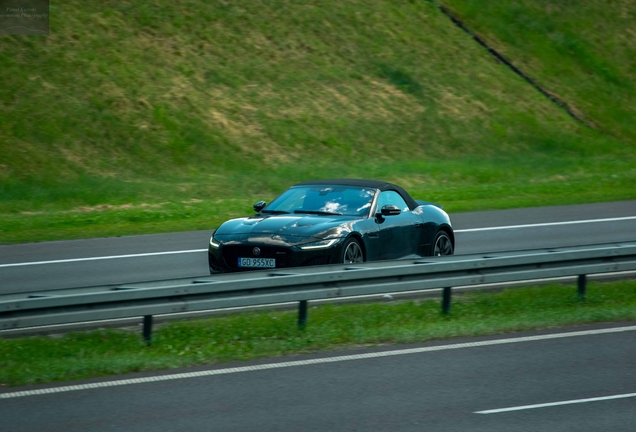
column 352, row 252
column 442, row 244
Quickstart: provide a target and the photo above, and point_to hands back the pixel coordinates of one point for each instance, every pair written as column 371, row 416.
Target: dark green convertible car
column 332, row 221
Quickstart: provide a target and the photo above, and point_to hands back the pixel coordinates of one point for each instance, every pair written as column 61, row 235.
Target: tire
column 352, row 252
column 442, row 245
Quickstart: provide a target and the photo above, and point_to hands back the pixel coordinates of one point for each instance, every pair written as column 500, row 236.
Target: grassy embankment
column 139, row 118
column 270, row 334
column 582, row 52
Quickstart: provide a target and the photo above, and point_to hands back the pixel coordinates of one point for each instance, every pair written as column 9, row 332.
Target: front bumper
column 225, row 257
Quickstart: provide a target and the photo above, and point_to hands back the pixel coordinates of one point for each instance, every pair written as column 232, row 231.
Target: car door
column 399, row 234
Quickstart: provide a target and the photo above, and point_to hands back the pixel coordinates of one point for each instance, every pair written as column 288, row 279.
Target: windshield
column 327, row 200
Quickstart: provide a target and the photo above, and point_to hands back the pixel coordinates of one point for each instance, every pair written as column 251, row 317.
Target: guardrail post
column 582, row 283
column 147, row 329
column 446, row 300
column 302, row 314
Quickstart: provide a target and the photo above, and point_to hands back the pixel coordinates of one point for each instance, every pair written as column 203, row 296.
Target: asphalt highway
column 577, row 379
column 117, row 260
column 581, row 378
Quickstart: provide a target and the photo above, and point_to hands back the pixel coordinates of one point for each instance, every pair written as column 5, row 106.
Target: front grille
column 231, row 254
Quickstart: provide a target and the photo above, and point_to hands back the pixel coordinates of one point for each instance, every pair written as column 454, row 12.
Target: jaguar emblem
column 256, row 251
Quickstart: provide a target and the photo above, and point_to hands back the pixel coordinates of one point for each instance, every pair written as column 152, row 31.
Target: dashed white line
column 102, row 258
column 336, row 359
column 204, row 250
column 551, row 404
column 548, row 224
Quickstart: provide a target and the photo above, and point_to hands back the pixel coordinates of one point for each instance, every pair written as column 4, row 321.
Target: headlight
column 214, row 243
column 322, row 244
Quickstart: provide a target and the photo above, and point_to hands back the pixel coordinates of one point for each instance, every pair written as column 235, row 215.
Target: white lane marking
column 102, row 258
column 547, row 224
column 204, row 250
column 336, row 359
column 551, row 404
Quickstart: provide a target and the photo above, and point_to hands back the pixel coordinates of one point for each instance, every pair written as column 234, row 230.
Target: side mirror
column 259, row 206
column 390, row 210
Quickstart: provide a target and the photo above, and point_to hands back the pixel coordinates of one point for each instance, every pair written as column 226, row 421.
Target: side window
column 392, row 198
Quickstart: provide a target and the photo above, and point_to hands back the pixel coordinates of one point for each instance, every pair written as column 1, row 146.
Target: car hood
column 298, row 226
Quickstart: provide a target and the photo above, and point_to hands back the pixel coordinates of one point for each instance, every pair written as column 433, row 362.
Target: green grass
column 255, row 335
column 582, row 51
column 459, row 185
column 133, row 119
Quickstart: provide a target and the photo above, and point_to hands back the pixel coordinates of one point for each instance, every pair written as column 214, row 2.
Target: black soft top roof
column 375, row 184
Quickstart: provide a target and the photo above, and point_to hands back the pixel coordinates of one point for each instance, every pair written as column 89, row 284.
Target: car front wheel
column 352, row 252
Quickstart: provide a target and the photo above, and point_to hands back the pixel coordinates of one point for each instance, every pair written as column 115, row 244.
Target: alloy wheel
column 353, row 253
column 443, row 246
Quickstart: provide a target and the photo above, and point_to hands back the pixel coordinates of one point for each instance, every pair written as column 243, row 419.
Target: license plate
column 257, row 262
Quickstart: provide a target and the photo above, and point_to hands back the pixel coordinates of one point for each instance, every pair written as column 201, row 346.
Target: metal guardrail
column 302, row 284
